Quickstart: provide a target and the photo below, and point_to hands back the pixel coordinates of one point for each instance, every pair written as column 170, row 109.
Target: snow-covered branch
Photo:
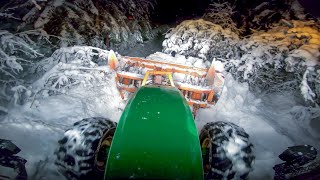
column 16, row 54
column 200, row 38
column 221, row 13
column 284, row 58
column 68, row 67
column 98, row 23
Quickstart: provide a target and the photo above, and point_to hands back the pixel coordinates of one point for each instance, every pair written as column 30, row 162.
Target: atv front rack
column 194, row 83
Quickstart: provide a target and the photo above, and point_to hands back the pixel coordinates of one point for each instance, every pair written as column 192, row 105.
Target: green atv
column 156, row 138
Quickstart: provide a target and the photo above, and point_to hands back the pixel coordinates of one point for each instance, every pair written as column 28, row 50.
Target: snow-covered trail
column 268, row 120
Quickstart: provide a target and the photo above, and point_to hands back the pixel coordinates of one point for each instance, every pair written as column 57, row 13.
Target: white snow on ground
column 268, row 120
column 36, row 126
column 37, row 129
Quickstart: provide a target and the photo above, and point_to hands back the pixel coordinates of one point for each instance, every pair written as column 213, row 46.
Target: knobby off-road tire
column 226, row 150
column 76, row 152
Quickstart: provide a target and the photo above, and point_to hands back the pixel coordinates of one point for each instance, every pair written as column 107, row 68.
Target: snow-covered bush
column 77, row 75
column 16, row 55
column 253, row 16
column 264, row 14
column 247, row 17
column 200, row 38
column 87, row 54
column 69, row 67
column 78, row 22
column 263, row 66
column 221, row 13
column 283, row 58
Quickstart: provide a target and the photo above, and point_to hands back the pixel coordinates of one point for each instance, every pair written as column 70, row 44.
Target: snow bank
column 271, row 121
column 75, row 87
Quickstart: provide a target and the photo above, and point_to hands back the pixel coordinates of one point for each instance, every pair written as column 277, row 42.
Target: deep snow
column 269, row 120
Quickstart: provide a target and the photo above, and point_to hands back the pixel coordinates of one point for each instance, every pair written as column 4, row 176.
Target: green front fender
column 156, row 138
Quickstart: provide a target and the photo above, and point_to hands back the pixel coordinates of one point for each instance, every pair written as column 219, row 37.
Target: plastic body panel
column 156, row 138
